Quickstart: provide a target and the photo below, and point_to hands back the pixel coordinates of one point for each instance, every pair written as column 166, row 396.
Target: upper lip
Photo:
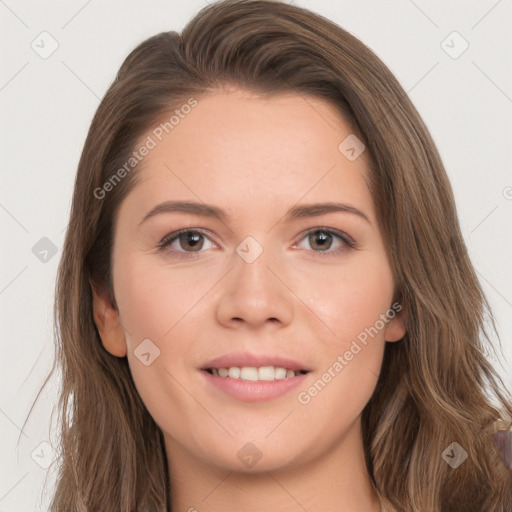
column 241, row 359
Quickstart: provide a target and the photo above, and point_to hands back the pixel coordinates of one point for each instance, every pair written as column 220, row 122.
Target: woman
column 264, row 299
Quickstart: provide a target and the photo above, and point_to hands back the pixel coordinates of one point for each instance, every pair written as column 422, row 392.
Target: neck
column 335, row 480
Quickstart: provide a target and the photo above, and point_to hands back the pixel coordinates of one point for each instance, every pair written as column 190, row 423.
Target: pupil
column 322, row 236
column 192, row 238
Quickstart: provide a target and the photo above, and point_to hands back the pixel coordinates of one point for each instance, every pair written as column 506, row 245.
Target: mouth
column 255, row 373
column 250, row 377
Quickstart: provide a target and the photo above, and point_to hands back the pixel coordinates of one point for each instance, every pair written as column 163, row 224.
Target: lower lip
column 253, row 391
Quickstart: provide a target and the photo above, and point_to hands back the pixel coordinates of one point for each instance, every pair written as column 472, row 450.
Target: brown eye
column 321, row 240
column 191, row 239
column 185, row 241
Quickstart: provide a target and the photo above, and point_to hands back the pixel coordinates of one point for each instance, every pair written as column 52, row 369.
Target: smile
column 254, row 373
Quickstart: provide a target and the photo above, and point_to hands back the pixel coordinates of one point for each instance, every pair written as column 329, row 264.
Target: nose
column 255, row 293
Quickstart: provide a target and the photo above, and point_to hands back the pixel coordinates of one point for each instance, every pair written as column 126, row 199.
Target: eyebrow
column 296, row 212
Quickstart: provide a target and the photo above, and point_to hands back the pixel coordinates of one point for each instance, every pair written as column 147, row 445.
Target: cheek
column 163, row 306
column 154, row 300
column 350, row 302
column 154, row 308
column 347, row 299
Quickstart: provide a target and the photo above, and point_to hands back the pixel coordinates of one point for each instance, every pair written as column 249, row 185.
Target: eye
column 322, row 239
column 192, row 239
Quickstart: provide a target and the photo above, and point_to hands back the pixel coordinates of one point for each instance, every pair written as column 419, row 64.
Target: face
column 267, row 285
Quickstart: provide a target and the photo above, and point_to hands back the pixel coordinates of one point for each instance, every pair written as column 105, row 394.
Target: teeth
column 234, row 372
column 266, row 373
column 248, row 373
column 280, row 373
column 255, row 373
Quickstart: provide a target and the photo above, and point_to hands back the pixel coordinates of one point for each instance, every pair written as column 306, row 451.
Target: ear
column 395, row 329
column 106, row 318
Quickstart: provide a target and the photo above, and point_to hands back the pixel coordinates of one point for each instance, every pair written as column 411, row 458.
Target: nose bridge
column 253, row 293
column 252, row 274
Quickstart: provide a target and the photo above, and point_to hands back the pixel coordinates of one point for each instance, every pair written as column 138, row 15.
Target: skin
column 254, row 157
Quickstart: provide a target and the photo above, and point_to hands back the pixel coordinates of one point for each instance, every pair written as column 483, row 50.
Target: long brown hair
column 436, row 386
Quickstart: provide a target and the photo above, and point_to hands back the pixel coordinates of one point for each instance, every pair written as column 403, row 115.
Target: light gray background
column 47, row 106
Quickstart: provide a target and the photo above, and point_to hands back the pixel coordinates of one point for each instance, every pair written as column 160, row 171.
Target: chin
column 252, row 456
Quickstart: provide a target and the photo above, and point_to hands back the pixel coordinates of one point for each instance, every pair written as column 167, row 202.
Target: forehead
column 240, row 149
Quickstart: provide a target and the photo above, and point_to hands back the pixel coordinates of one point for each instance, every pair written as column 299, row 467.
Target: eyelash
column 348, row 243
